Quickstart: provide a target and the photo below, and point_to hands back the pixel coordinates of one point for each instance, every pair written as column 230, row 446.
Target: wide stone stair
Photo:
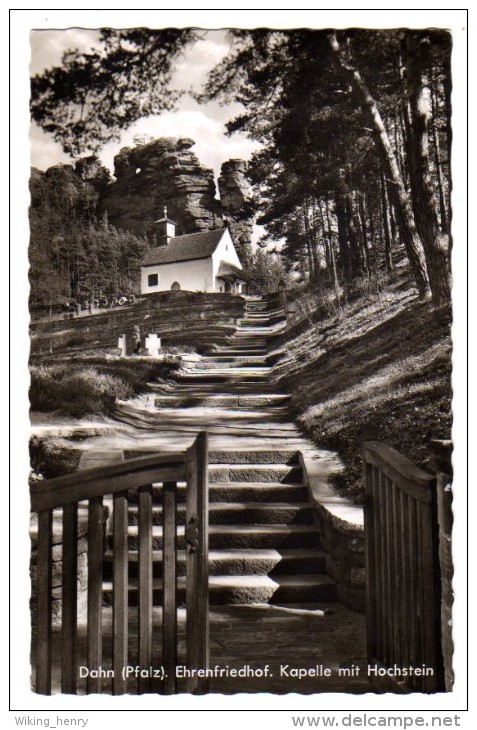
column 264, row 546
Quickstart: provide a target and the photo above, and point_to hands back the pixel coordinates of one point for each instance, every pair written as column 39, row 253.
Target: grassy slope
column 90, row 385
column 385, row 364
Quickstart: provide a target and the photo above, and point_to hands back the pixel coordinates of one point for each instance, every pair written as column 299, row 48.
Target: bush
column 53, row 457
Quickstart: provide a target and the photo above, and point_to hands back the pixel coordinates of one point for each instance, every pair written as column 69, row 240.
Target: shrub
column 80, row 387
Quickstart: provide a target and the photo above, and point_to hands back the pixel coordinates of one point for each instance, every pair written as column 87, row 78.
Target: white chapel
column 206, row 262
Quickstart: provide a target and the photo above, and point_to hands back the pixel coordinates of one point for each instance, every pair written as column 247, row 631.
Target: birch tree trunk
column 402, row 204
column 424, row 199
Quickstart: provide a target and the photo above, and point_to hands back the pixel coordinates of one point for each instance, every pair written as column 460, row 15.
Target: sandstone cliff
column 238, row 205
column 162, row 172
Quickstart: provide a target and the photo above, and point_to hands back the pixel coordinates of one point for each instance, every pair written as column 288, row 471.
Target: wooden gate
column 402, row 569
column 59, row 500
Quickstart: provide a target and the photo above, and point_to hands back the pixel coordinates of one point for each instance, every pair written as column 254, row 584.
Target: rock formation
column 162, row 172
column 148, row 177
column 91, row 170
column 238, row 205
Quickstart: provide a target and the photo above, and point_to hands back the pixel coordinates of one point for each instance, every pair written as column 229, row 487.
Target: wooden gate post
column 197, row 546
column 442, row 466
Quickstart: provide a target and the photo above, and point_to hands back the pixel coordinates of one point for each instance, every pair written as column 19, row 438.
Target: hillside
column 89, row 233
column 380, row 368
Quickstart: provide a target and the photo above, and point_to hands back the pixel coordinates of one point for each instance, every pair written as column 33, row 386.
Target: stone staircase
column 263, row 543
column 264, row 546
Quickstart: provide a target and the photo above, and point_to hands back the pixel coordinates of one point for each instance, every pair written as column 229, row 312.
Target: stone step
column 199, row 378
column 227, row 369
column 284, row 473
column 230, row 387
column 240, row 536
column 246, row 338
column 254, row 513
column 271, row 455
column 252, row 329
column 240, row 347
column 243, row 589
column 249, row 359
column 232, row 363
column 240, row 351
column 264, row 491
column 244, row 492
column 207, row 400
column 236, row 562
column 253, row 456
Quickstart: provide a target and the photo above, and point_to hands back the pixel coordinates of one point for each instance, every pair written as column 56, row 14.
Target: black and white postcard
column 242, row 243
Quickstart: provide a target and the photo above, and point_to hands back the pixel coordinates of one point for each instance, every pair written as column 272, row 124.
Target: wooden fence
column 402, row 569
column 63, row 495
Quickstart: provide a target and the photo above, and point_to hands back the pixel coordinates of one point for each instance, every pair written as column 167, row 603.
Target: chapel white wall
column 196, row 275
column 225, row 251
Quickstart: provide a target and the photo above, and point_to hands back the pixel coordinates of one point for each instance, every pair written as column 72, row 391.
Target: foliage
column 92, row 96
column 265, row 270
column 339, row 115
column 51, row 458
column 385, row 368
column 324, row 147
column 72, row 253
column 89, row 386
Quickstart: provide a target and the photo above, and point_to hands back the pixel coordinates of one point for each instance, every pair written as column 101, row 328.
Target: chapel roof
column 230, row 271
column 185, row 248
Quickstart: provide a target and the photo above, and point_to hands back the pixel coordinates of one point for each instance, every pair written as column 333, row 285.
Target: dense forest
column 355, row 133
column 355, row 128
column 73, row 254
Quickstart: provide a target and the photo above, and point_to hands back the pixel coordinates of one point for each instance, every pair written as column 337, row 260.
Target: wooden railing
column 402, row 569
column 62, row 496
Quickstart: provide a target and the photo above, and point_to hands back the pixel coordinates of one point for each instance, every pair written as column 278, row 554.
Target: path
column 271, row 598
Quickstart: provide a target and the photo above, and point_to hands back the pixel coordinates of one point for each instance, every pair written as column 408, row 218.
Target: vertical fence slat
column 430, row 597
column 382, row 561
column 120, row 591
column 370, row 559
column 420, row 604
column 169, row 587
column 197, row 598
column 378, row 534
column 69, row 670
column 413, row 577
column 402, row 559
column 44, row 587
column 395, row 570
column 442, row 466
column 145, row 585
column 384, row 569
column 95, row 591
column 405, row 609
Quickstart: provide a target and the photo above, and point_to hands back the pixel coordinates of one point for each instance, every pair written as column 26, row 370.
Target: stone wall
column 197, row 320
column 340, row 524
column 57, row 565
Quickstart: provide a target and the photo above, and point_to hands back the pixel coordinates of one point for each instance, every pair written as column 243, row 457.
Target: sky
column 202, row 122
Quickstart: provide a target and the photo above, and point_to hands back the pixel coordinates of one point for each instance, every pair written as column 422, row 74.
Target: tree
column 401, row 200
column 425, row 201
column 92, row 96
column 339, row 114
column 73, row 254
